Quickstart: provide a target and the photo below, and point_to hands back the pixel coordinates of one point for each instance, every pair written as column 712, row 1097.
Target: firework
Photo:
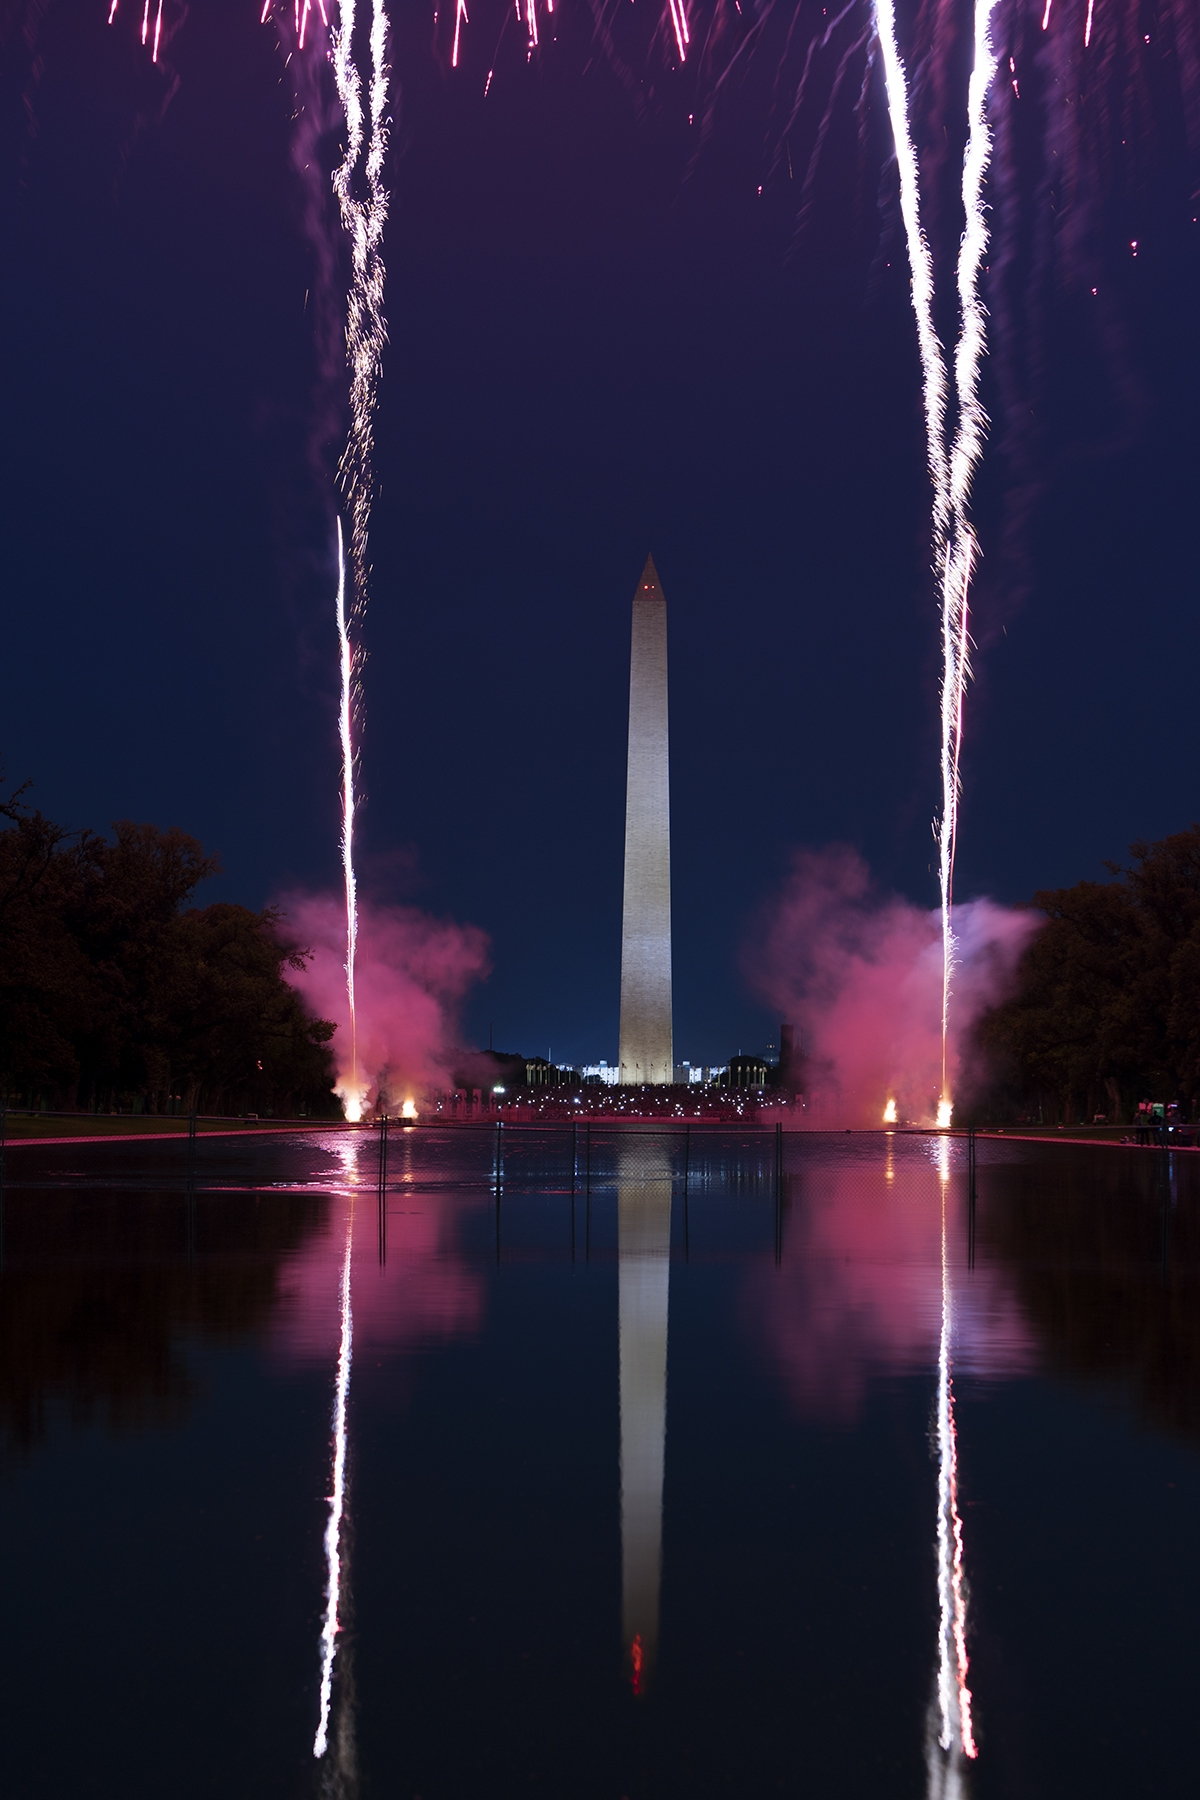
column 352, row 1092
column 337, row 1497
column 955, row 1730
column 952, row 464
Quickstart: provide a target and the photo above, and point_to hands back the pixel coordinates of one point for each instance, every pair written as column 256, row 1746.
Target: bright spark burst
column 337, row 1499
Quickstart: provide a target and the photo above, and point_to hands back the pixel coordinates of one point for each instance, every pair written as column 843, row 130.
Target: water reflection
column 952, row 1736
column 858, row 1292
column 299, row 1471
column 97, row 1294
column 644, row 1266
column 1105, row 1261
column 337, row 1497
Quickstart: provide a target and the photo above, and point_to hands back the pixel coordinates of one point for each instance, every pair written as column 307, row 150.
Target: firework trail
column 337, row 1498
column 951, row 465
column 353, row 1093
column 970, row 432
column 363, row 218
column 955, row 1734
column 920, row 261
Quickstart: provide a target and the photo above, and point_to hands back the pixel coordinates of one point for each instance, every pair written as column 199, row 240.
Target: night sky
column 604, row 341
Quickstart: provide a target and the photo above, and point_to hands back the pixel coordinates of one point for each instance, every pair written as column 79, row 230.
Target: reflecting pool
column 621, row 1464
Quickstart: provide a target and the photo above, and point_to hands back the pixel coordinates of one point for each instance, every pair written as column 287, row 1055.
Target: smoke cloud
column 857, row 1295
column 411, row 974
column 860, row 973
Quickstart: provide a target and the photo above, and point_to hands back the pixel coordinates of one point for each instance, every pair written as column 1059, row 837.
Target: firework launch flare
column 861, row 973
column 413, row 973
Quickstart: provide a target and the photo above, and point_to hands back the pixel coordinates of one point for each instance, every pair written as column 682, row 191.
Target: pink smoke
column 411, row 975
column 425, row 1294
column 857, row 1297
column 860, row 972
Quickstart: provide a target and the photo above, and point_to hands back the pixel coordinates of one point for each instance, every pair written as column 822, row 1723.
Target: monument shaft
column 646, row 1052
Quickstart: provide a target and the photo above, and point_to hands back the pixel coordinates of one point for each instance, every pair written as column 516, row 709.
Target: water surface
column 672, row 1467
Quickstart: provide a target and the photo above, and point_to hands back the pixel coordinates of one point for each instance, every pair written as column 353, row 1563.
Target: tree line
column 116, row 994
column 1106, row 1009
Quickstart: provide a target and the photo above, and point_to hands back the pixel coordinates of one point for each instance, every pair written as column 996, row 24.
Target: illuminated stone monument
column 646, row 1053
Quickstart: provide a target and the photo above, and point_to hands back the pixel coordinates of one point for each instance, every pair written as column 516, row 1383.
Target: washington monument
column 645, row 1048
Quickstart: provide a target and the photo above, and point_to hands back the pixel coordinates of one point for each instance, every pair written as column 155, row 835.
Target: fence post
column 382, row 1195
column 191, row 1186
column 499, row 1175
column 970, row 1196
column 3, row 1142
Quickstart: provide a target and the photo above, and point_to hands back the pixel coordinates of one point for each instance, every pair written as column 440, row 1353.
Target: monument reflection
column 644, row 1274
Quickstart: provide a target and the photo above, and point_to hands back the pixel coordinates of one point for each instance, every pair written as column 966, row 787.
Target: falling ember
column 337, row 1499
column 889, row 1113
column 1087, row 30
column 351, row 1091
column 157, row 32
column 680, row 24
column 460, row 19
column 636, row 1658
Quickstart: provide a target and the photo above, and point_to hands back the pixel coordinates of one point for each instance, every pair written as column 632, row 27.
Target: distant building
column 541, row 1073
column 607, row 1072
column 747, row 1072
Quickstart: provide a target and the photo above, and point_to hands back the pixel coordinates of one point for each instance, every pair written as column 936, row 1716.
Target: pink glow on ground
column 411, row 974
column 861, row 974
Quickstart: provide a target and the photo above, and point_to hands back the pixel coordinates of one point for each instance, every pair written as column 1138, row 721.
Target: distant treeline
column 1107, row 1008
column 117, row 995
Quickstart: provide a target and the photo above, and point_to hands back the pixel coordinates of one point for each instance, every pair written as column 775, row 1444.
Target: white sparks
column 952, row 467
column 956, row 1732
column 350, row 1090
column 337, row 1500
column 366, row 333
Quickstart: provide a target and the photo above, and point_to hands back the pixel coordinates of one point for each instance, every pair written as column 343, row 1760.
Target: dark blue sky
column 602, row 343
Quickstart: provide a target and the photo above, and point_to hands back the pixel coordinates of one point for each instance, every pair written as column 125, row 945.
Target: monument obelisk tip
column 649, row 587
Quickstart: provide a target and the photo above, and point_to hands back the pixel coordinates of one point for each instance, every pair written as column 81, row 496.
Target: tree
column 1107, row 1007
column 112, row 987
